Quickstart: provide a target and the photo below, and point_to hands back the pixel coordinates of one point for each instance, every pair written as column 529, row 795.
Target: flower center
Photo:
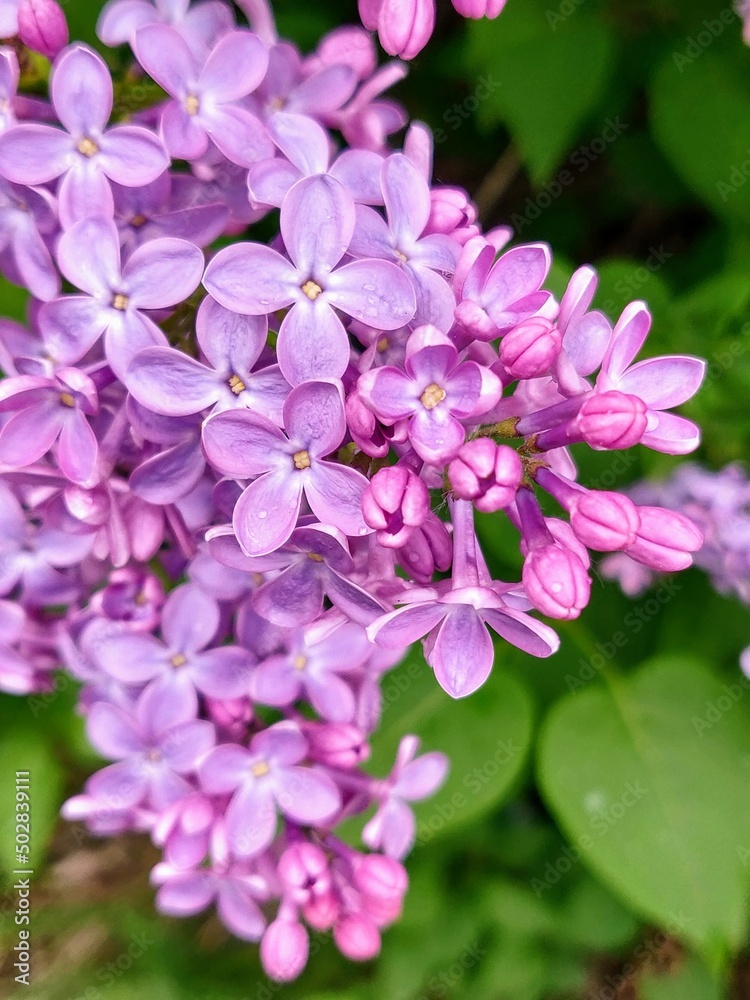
column 299, row 662
column 401, row 256
column 236, row 385
column 178, row 660
column 138, row 220
column 67, row 400
column 311, row 289
column 154, row 756
column 302, row 460
column 383, row 345
column 432, row 395
column 87, row 147
column 260, row 769
column 192, row 104
column 315, row 557
column 120, row 302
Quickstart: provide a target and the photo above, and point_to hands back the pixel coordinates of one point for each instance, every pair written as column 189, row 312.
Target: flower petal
column 252, row 279
column 266, row 513
column 81, row 90
column 375, row 292
column 317, row 223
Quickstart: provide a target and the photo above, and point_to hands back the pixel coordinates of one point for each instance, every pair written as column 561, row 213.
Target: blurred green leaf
column 536, row 80
column 701, row 118
column 692, row 981
column 653, row 794
column 592, row 918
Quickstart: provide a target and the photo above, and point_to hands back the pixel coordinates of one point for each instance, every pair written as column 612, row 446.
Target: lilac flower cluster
column 404, row 27
column 718, row 503
column 235, row 488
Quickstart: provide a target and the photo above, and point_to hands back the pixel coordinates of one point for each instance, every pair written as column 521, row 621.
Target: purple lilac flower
column 157, row 275
column 287, row 467
column 317, row 223
column 86, row 155
column 206, row 96
column 266, row 778
column 28, row 219
column 199, row 24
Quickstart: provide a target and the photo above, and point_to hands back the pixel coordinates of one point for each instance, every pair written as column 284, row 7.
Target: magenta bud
column 357, row 937
column 405, row 26
column 284, row 949
column 303, row 868
column 556, row 581
column 665, row 540
column 42, row 27
column 452, row 210
column 612, row 420
column 530, row 349
column 394, row 504
column 428, row 549
column 606, row 522
column 487, row 473
column 383, row 883
column 322, row 911
column 479, row 8
column 337, row 744
column 475, row 320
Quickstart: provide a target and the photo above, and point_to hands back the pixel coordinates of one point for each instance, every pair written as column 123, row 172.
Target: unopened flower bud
column 42, row 27
column 322, row 911
column 487, row 473
column 382, row 882
column 612, row 420
column 531, row 348
column 284, row 949
column 405, row 26
column 337, row 744
column 303, row 868
column 452, row 213
column 606, row 522
column 479, row 8
column 556, row 581
column 665, row 540
column 394, row 504
column 357, row 937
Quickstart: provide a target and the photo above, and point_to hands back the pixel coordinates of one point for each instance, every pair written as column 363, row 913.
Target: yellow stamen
column 120, row 302
column 178, row 660
column 87, row 147
column 312, row 290
column 67, row 400
column 401, row 256
column 299, row 662
column 237, row 385
column 432, row 395
column 383, row 344
column 192, row 104
column 138, row 220
column 315, row 557
column 260, row 769
column 302, row 460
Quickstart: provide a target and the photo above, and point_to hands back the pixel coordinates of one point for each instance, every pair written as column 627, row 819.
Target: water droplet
column 262, row 514
column 363, row 531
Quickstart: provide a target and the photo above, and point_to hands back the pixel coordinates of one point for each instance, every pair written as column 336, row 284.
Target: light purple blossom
column 86, row 155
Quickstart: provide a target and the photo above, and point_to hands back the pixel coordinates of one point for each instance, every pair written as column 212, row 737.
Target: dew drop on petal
column 262, row 514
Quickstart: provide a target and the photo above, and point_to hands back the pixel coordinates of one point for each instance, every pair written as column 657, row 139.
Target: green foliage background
column 595, row 831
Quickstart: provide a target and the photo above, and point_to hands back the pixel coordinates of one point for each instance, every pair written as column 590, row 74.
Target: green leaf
column 592, row 918
column 537, row 79
column 487, row 738
column 654, row 796
column 23, row 750
column 701, row 118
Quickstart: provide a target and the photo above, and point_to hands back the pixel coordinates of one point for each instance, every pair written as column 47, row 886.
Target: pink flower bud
column 479, row 8
column 452, row 213
column 612, row 420
column 322, row 911
column 428, row 549
column 357, row 937
column 606, row 522
column 531, row 348
column 284, row 949
column 382, row 882
column 394, row 504
column 347, row 46
column 42, row 27
column 337, row 744
column 303, row 868
column 405, row 26
column 556, row 581
column 665, row 540
column 487, row 473
column 475, row 320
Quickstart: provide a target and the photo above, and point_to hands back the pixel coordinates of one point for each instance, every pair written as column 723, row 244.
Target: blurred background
column 593, row 839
